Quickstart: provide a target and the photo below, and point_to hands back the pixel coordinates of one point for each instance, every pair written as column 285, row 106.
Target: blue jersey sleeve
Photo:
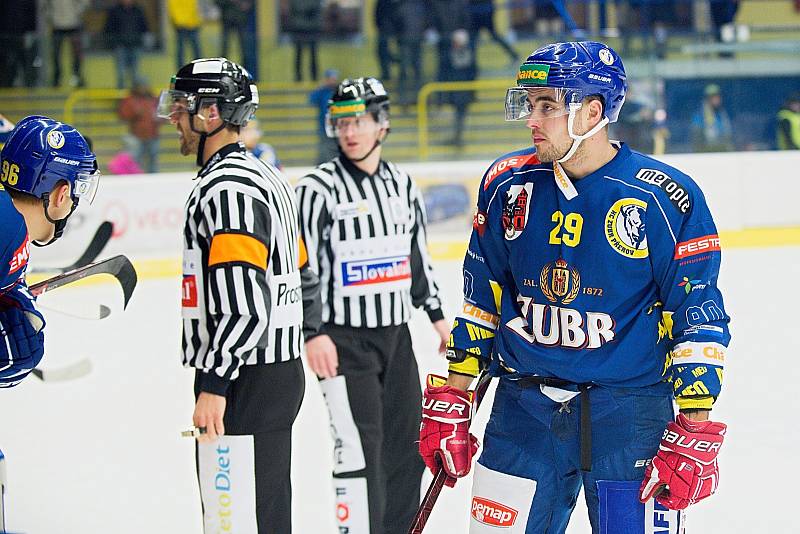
column 695, row 324
column 486, row 272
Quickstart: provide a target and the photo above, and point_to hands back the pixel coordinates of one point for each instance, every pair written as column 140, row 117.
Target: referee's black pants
column 262, row 404
column 375, row 410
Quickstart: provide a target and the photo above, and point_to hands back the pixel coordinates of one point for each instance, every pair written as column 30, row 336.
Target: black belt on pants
column 586, row 411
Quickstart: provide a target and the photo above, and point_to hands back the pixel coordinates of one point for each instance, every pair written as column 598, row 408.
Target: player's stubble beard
column 555, row 150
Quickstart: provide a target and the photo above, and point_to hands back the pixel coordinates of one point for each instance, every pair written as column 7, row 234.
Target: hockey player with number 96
column 47, row 169
column 590, row 290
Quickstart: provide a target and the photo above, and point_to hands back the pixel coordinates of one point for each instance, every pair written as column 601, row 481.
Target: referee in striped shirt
column 242, row 303
column 363, row 222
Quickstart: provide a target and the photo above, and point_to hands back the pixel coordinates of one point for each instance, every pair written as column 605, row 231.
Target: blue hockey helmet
column 578, row 70
column 41, row 152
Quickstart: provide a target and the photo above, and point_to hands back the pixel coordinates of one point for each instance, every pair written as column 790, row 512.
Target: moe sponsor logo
column 498, row 168
column 19, row 258
column 493, row 513
column 698, row 245
column 287, row 294
column 625, row 227
column 376, row 271
column 676, row 193
column 533, row 74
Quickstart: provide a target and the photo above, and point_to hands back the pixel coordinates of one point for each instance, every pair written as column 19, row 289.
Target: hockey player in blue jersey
column 46, row 169
column 590, row 290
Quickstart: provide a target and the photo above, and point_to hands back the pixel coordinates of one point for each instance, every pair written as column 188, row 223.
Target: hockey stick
column 91, row 312
column 435, row 488
column 120, row 267
column 78, row 369
column 101, row 238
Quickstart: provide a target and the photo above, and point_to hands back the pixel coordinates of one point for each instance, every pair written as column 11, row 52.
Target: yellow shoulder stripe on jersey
column 470, row 366
column 303, row 254
column 237, row 248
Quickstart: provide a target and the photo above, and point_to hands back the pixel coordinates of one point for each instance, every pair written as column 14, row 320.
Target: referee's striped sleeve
column 424, row 290
column 239, row 249
column 314, row 206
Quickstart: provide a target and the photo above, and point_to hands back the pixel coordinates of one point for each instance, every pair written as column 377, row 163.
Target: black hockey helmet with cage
column 226, row 83
column 356, row 97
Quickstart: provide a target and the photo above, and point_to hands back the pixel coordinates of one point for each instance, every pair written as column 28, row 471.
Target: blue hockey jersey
column 611, row 279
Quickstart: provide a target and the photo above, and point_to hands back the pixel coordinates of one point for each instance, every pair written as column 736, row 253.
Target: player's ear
column 595, row 111
column 60, row 194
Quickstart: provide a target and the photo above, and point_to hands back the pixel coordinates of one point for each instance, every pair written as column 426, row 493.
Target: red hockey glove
column 684, row 470
column 444, row 437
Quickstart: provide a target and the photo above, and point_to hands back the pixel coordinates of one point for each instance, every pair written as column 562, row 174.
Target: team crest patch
column 515, row 210
column 560, row 282
column 625, row 227
column 55, row 139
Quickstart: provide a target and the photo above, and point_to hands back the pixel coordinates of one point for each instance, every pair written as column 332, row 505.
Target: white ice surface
column 103, row 454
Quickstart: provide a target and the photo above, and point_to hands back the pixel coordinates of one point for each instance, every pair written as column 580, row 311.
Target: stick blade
column 64, row 374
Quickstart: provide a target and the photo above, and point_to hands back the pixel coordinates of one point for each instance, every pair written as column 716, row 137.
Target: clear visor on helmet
column 172, row 102
column 85, row 186
column 539, row 103
column 352, row 115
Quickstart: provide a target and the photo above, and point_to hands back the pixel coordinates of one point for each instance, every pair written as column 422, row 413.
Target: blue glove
column 21, row 336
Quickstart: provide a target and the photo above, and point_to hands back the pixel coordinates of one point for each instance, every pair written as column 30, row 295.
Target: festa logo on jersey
column 558, row 281
column 493, row 513
column 376, row 271
column 698, row 245
column 677, row 194
column 19, row 258
column 625, row 227
column 515, row 210
column 189, row 291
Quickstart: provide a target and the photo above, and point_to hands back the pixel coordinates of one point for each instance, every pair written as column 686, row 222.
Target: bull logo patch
column 515, row 210
column 625, row 227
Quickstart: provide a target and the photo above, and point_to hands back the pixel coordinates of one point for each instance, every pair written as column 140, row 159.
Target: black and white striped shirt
column 242, row 301
column 366, row 240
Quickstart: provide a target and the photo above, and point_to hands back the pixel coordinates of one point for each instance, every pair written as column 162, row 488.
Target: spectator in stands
column 236, row 18
column 387, row 26
column 251, row 137
column 125, row 29
column 305, row 25
column 481, row 14
column 723, row 13
column 18, row 41
column 412, row 18
column 138, row 109
column 636, row 121
column 186, row 19
column 448, row 16
column 789, row 124
column 66, row 17
column 461, row 68
column 711, row 125
column 328, row 147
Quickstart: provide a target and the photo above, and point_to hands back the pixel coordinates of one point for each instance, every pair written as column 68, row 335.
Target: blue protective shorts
column 529, row 472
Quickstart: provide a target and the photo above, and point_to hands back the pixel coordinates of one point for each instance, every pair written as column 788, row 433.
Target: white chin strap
column 578, row 139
